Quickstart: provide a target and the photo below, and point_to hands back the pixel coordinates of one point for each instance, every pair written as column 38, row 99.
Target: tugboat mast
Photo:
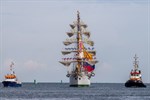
column 136, row 62
column 11, row 68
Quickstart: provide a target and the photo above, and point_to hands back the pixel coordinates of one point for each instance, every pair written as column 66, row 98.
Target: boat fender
column 92, row 74
column 68, row 75
column 89, row 76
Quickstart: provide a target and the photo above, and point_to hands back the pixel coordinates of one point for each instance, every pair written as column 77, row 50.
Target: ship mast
column 78, row 30
column 11, row 68
column 136, row 62
column 79, row 38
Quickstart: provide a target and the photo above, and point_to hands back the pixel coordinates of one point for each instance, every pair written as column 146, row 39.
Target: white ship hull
column 78, row 81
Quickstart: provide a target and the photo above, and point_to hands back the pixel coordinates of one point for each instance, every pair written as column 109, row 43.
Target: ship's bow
column 79, row 81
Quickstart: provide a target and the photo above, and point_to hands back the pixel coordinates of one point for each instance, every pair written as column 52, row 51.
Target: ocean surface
column 58, row 91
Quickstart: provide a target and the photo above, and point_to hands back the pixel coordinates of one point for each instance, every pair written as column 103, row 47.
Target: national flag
column 88, row 67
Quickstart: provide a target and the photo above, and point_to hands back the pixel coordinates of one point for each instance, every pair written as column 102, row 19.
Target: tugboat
column 135, row 76
column 11, row 79
column 81, row 61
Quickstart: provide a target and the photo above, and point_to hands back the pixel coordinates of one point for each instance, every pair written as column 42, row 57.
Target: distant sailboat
column 135, row 76
column 11, row 79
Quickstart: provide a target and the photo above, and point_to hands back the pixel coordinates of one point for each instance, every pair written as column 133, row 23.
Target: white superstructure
column 135, row 73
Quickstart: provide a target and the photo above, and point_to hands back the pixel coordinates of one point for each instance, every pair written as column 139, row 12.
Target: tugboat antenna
column 11, row 66
column 136, row 62
column 135, row 57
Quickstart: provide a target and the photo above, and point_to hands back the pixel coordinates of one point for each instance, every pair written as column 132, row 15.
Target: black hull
column 132, row 83
column 11, row 84
column 79, row 85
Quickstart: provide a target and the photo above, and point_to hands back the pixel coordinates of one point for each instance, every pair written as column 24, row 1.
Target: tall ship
column 11, row 79
column 79, row 54
column 135, row 76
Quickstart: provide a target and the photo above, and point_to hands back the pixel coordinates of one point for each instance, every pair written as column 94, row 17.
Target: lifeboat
column 10, row 76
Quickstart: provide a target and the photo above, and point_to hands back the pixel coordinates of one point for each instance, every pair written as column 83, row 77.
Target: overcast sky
column 32, row 32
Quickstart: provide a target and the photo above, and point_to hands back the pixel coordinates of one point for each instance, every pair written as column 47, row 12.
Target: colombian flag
column 88, row 67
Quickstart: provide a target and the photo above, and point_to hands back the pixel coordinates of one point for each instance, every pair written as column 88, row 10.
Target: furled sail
column 72, row 26
column 67, row 43
column 91, row 43
column 92, row 52
column 65, row 63
column 87, row 34
column 70, row 34
column 66, row 52
column 84, row 25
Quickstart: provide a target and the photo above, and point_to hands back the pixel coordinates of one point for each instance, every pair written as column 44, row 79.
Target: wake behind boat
column 135, row 76
column 11, row 79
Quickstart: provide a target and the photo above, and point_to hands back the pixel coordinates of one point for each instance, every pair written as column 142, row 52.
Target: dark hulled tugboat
column 135, row 76
column 11, row 79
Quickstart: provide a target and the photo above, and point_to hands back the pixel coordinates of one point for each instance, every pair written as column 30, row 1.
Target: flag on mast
column 88, row 67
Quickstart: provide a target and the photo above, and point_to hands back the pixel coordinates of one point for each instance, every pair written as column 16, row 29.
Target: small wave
column 40, row 99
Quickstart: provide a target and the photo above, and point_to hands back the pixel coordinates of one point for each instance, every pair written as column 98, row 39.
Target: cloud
column 28, row 65
column 31, row 64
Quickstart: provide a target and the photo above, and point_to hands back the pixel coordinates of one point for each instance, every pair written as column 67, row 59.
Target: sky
column 32, row 32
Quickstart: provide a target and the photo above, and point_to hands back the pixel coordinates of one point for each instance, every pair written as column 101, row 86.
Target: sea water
column 62, row 91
